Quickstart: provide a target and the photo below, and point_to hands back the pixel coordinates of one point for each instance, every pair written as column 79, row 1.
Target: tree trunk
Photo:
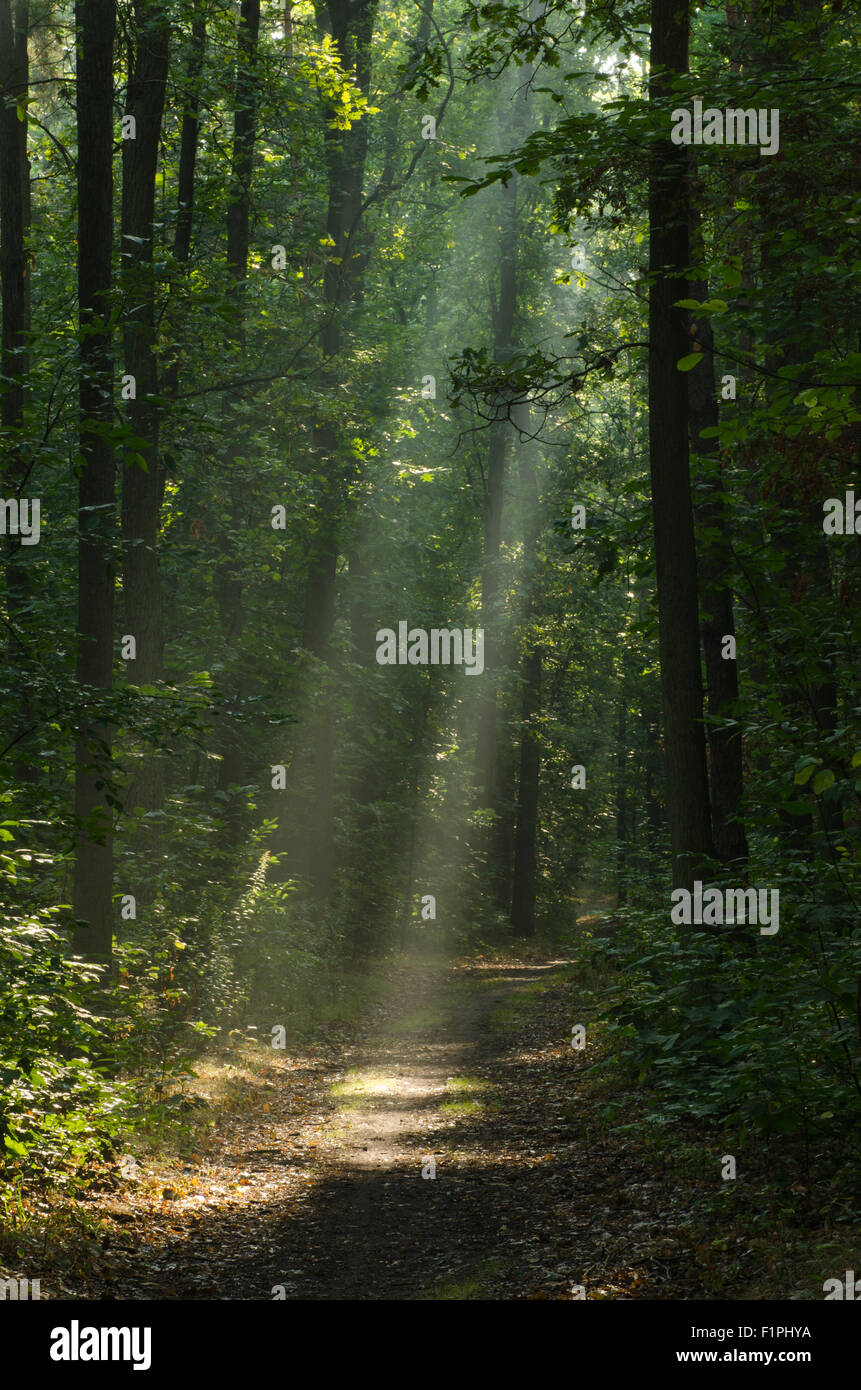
column 312, row 782
column 228, row 576
column 672, row 512
column 142, row 487
column 188, row 143
column 525, row 879
column 621, row 804
column 494, row 494
column 495, row 759
column 14, row 348
column 725, row 744
column 92, row 905
column 141, row 483
column 14, row 228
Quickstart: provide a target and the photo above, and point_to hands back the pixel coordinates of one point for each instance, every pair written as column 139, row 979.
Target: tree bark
column 228, row 575
column 672, row 512
column 14, row 227
column 621, row 803
column 188, row 145
column 142, row 485
column 725, row 744
column 524, row 878
column 14, row 346
column 312, row 783
column 487, row 753
column 92, row 907
column 188, row 141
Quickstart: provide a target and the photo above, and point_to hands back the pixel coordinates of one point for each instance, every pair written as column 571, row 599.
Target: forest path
column 313, row 1189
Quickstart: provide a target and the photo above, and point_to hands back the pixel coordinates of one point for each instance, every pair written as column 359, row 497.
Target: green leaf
column 823, row 780
column 16, row 1148
column 687, row 364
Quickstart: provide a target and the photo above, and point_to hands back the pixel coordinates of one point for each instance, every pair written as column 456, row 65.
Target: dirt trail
column 321, row 1196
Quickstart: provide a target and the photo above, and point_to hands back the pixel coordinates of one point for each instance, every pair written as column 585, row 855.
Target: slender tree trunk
column 188, row 141
column 15, row 347
column 141, row 483
column 718, row 622
column 244, row 135
column 14, row 229
column 228, row 576
column 487, row 752
column 188, row 145
column 495, row 756
column 92, row 907
column 524, row 878
column 621, row 804
column 312, row 829
column 652, row 780
column 142, row 486
column 672, row 512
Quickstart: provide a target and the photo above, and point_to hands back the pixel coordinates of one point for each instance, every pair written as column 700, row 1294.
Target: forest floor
column 306, row 1173
column 313, row 1187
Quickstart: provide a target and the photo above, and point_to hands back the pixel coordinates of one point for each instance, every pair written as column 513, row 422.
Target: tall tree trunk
column 672, row 512
column 524, row 885
column 621, row 803
column 188, row 141
column 495, row 760
column 312, row 829
column 188, row 145
column 494, row 494
column 14, row 228
column 725, row 744
column 524, row 879
column 228, row 576
column 14, row 346
column 142, row 486
column 95, row 20
column 653, row 770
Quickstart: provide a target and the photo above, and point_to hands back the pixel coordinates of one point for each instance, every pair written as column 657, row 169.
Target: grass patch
column 470, row 1095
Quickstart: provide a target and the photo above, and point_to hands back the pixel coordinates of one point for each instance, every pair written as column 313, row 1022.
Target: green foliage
column 728, row 1029
column 59, row 1107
